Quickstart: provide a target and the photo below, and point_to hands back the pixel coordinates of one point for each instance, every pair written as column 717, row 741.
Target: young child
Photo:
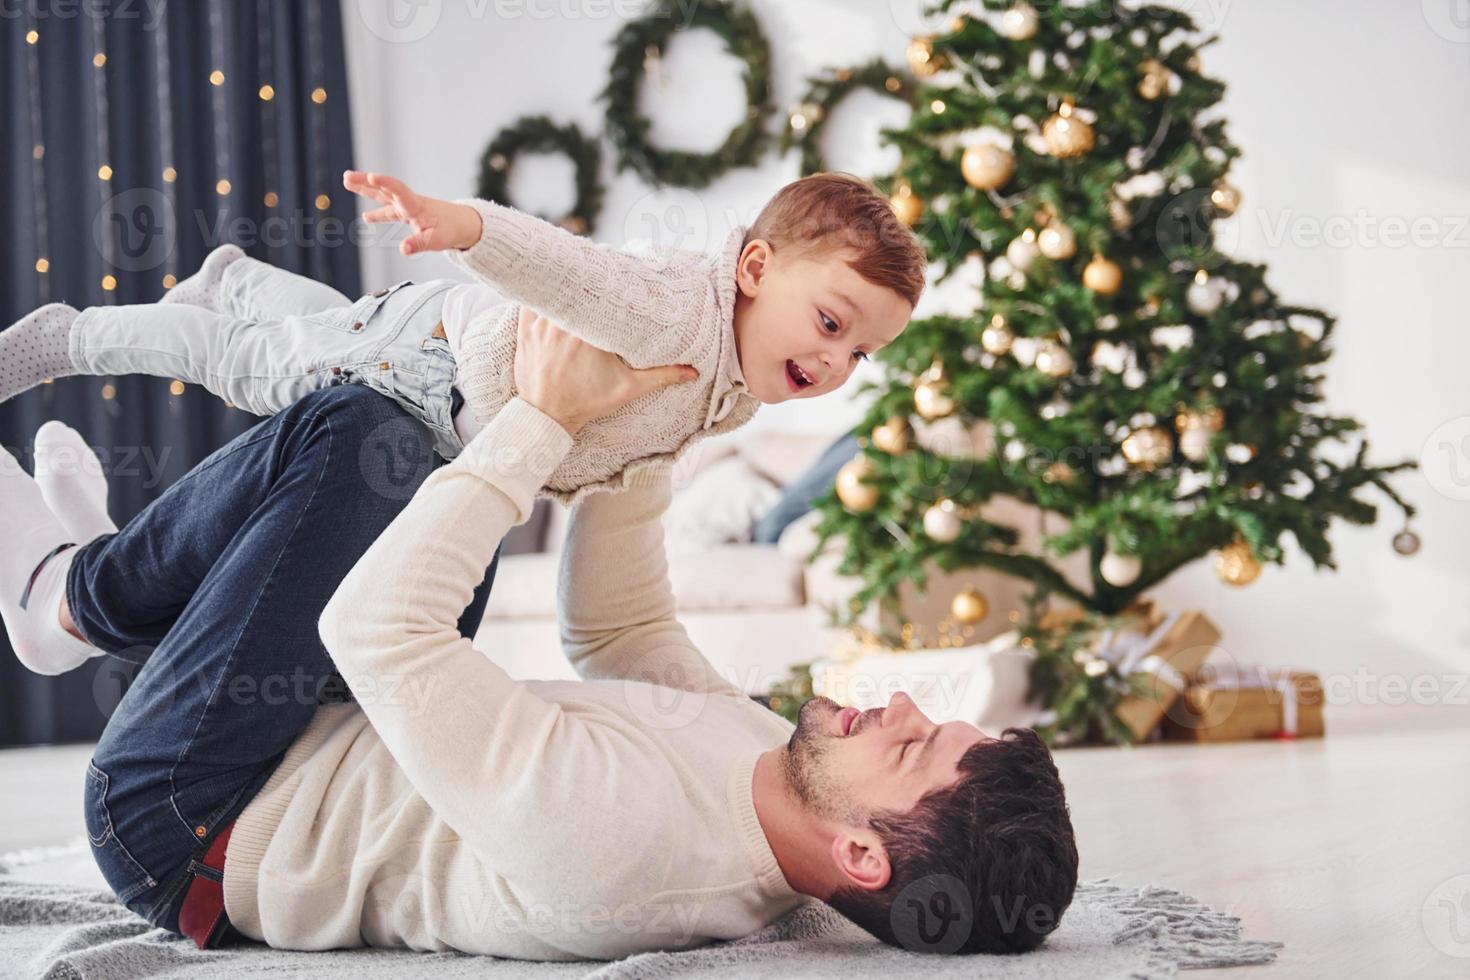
column 826, row 276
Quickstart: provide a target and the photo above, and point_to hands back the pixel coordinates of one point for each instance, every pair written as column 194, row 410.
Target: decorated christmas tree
column 1108, row 364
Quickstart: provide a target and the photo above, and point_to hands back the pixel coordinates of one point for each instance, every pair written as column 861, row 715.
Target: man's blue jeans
column 216, row 590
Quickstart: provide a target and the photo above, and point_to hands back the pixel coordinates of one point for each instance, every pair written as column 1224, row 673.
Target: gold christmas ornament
column 1154, row 81
column 931, row 394
column 908, row 206
column 969, row 607
column 997, row 337
column 892, row 437
column 1058, row 472
column 856, row 494
column 1225, row 198
column 1212, row 418
column 1057, row 241
column 1053, row 359
column 1236, row 565
column 1148, row 448
column 1065, row 134
column 986, row 166
column 942, row 522
column 1102, row 275
column 922, row 60
column 1019, row 23
column 1406, row 542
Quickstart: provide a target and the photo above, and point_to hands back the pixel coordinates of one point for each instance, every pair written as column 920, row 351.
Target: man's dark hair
column 985, row 865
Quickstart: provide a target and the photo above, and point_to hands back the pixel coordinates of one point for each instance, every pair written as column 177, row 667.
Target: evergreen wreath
column 642, row 40
column 539, row 134
column 824, row 92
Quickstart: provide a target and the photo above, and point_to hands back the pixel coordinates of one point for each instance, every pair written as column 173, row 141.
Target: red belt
column 202, row 917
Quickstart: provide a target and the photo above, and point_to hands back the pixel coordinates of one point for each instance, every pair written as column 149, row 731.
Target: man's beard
column 809, row 769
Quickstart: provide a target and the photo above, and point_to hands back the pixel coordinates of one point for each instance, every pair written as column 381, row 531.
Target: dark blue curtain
column 137, row 136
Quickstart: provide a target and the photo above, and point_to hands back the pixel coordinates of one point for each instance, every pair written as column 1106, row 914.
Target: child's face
column 803, row 320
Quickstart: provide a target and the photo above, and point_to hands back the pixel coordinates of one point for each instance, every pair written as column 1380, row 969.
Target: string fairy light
column 267, row 94
column 166, row 139
column 316, row 61
column 219, row 101
column 104, row 153
column 38, row 167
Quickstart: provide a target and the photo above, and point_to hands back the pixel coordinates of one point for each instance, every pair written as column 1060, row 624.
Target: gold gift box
column 1248, row 704
column 1181, row 651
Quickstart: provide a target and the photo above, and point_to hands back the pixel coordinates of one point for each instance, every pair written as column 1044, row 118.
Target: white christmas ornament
column 1174, row 338
column 1118, row 570
column 1134, row 377
column 1191, row 482
column 1025, row 349
column 942, row 523
column 1204, row 295
column 1239, row 453
column 1019, row 23
column 1108, row 356
column 1194, row 443
column 1142, row 185
column 1001, row 268
column 1057, row 241
column 1023, row 251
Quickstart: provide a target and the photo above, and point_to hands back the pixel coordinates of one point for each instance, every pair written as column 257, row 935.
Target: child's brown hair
column 836, row 210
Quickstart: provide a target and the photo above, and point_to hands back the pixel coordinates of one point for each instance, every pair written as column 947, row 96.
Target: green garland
column 540, row 134
column 647, row 38
column 824, row 92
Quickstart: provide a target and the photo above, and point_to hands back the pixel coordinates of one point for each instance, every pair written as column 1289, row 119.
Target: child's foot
column 72, row 483
column 36, row 349
column 33, row 567
column 202, row 288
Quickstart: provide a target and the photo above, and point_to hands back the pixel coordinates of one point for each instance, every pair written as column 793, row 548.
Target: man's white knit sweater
column 455, row 808
column 649, row 307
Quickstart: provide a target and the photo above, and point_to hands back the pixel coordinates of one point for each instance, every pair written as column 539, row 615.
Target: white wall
column 1348, row 116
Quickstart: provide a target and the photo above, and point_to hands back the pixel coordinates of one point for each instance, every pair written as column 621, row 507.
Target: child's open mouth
column 798, row 378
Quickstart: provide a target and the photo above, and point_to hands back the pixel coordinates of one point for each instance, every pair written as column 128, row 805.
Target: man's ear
column 861, row 860
column 754, row 264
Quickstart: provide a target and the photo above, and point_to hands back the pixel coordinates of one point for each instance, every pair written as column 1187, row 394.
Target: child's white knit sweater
column 651, row 308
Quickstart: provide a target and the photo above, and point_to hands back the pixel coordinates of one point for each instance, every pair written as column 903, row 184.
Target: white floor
column 1354, row 850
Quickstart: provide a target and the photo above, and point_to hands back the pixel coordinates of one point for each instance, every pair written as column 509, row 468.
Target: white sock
column 202, row 288
column 35, row 349
column 72, row 482
column 30, row 591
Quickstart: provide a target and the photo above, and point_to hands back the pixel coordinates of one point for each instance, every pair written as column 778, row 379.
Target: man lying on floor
column 652, row 805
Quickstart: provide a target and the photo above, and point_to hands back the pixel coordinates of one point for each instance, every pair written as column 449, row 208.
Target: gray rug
column 57, row 921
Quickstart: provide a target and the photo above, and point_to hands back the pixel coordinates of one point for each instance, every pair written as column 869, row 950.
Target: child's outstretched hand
column 437, row 225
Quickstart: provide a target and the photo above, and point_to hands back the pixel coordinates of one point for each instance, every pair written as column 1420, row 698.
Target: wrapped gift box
column 1162, row 658
column 1248, row 703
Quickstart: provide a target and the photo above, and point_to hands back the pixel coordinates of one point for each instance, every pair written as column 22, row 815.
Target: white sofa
column 753, row 610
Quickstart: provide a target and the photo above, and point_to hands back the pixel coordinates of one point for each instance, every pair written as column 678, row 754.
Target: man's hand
column 437, row 225
column 574, row 382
